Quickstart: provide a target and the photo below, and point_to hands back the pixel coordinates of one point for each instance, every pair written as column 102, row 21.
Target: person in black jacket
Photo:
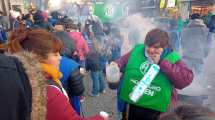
column 39, row 21
column 15, row 90
column 94, row 64
column 69, row 46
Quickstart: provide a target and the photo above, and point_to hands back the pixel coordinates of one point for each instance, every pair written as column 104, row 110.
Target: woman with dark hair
column 189, row 112
column 161, row 92
column 39, row 52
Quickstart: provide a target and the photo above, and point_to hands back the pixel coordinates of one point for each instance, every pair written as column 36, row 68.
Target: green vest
column 157, row 95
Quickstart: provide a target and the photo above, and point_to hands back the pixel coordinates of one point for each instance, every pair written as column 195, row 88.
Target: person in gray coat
column 194, row 51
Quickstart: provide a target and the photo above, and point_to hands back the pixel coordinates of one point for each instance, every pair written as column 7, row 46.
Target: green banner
column 108, row 12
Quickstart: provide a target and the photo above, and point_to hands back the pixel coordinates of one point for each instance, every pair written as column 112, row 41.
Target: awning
column 202, row 2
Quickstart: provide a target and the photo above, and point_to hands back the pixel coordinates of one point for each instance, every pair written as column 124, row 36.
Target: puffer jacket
column 72, row 81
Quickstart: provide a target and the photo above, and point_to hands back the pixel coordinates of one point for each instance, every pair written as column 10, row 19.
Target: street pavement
column 104, row 102
column 210, row 76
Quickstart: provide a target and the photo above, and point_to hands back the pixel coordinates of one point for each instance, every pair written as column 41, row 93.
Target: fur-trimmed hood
column 38, row 83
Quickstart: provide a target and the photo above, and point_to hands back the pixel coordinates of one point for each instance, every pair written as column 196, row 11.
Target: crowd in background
column 90, row 46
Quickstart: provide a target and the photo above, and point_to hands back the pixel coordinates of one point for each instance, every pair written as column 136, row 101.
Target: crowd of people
column 44, row 58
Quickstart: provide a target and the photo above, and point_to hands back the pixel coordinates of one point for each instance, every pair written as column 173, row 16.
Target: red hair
column 38, row 41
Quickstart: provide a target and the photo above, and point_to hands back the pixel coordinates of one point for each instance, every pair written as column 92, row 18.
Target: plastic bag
column 112, row 74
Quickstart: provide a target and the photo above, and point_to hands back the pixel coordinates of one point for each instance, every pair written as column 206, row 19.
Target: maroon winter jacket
column 179, row 74
column 59, row 108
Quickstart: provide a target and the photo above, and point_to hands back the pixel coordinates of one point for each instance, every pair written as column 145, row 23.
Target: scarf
column 53, row 72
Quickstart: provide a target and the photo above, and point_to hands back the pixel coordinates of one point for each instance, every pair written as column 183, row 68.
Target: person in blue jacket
column 72, row 81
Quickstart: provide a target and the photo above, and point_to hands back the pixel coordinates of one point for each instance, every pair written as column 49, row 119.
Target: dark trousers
column 140, row 113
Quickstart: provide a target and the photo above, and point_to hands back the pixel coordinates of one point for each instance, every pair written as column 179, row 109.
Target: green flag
column 108, row 12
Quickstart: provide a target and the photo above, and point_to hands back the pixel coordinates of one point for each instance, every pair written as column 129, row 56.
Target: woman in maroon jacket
column 156, row 49
column 49, row 99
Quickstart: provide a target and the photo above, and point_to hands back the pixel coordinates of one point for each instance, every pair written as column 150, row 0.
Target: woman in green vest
column 161, row 93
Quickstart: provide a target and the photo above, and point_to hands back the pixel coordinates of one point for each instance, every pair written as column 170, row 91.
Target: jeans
column 175, row 42
column 211, row 37
column 98, row 82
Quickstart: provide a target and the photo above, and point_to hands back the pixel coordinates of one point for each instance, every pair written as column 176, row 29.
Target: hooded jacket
column 80, row 44
column 23, row 91
column 43, row 102
column 15, row 90
column 196, row 34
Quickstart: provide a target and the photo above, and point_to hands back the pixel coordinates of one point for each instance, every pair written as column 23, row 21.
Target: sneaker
column 92, row 95
column 82, row 98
